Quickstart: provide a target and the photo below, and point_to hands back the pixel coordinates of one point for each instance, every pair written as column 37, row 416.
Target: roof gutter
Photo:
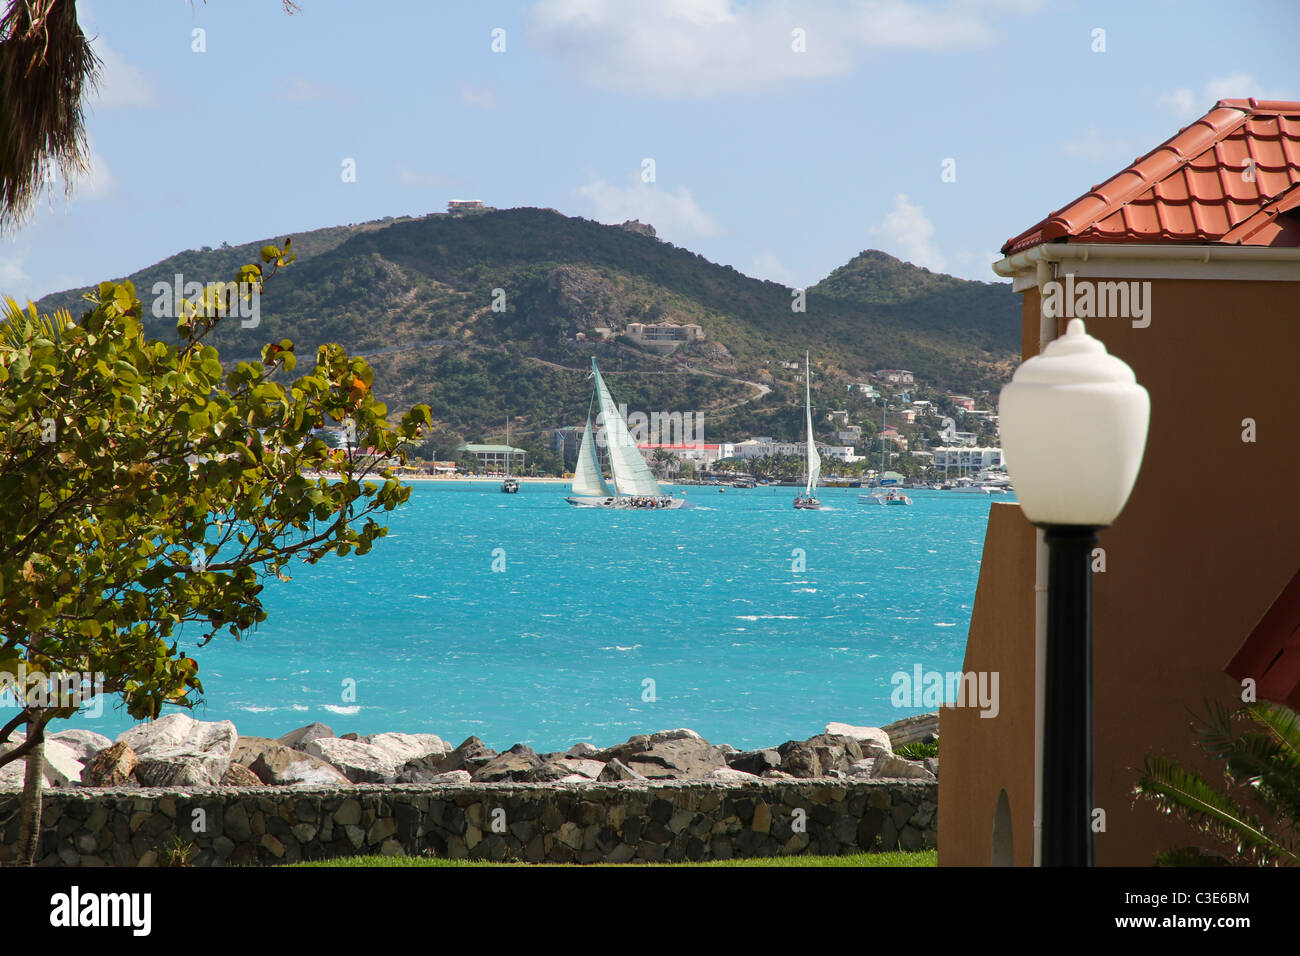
column 1028, row 259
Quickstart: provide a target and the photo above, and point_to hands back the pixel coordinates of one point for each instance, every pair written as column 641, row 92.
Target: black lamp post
column 1074, row 426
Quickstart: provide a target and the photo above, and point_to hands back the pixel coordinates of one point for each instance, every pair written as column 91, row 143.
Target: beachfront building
column 894, row 376
column 964, row 458
column 1203, row 235
column 459, row 207
column 866, row 389
column 701, row 454
column 493, row 458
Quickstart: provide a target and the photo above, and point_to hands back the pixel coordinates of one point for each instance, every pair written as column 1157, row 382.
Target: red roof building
column 1231, row 177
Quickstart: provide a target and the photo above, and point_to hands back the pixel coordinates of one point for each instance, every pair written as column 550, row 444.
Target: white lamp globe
column 1074, row 427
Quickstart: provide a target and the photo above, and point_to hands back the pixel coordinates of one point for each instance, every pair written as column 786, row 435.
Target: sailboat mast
column 807, row 386
column 507, row 446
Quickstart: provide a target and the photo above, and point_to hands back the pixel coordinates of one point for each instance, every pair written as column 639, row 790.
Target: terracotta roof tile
column 1233, row 176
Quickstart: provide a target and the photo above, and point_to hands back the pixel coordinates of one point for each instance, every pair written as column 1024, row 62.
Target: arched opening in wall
column 1002, row 845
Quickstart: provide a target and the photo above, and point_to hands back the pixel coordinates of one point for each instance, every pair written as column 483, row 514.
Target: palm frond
column 46, row 68
column 1185, row 794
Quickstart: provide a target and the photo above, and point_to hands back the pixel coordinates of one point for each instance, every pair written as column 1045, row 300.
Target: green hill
column 415, row 295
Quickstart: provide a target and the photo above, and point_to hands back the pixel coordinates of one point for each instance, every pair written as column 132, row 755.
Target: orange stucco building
column 1187, row 265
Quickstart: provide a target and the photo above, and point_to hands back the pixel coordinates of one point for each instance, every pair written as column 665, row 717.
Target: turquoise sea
column 741, row 618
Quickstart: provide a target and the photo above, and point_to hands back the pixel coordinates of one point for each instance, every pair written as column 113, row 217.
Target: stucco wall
column 1208, row 539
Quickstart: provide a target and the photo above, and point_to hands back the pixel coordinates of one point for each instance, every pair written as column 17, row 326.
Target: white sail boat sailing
column 631, row 483
column 808, row 498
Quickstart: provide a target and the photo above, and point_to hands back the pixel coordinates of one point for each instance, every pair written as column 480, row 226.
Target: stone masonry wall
column 562, row 823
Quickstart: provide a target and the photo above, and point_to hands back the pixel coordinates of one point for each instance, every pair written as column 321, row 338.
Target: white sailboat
column 878, row 495
column 631, row 483
column 510, row 486
column 807, row 500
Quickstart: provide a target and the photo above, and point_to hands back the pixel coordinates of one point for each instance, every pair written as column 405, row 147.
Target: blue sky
column 783, row 164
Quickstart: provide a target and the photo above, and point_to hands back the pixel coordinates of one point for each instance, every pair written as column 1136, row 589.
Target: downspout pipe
column 1045, row 271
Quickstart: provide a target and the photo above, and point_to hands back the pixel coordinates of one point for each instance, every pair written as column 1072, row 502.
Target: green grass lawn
column 893, row 858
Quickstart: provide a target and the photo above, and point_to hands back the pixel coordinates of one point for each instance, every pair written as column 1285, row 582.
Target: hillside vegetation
column 415, row 295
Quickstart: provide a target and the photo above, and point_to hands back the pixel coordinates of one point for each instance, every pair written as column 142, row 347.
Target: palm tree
column 46, row 68
column 1261, row 766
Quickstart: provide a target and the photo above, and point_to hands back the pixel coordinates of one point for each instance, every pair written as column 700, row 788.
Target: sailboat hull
column 626, row 503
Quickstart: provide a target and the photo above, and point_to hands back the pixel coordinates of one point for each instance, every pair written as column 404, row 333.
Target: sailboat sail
column 631, row 475
column 814, row 460
column 587, row 479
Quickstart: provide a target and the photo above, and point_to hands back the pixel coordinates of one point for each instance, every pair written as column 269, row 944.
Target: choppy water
column 591, row 605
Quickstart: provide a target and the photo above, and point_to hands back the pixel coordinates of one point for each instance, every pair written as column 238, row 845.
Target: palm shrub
column 1259, row 745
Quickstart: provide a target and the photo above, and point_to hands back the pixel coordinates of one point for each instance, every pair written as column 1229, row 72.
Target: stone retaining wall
column 563, row 823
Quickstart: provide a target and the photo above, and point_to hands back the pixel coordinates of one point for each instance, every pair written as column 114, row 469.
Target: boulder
column 471, row 755
column 178, row 750
column 912, row 730
column 84, row 743
column 731, row 775
column 429, row 777
column 359, row 762
column 898, row 767
column 111, row 767
column 874, row 741
column 931, row 764
column 667, row 755
column 616, row 770
column 519, row 763
column 237, row 775
column 298, row 739
column 864, row 768
column 407, row 747
column 580, row 750
column 275, row 764
column 836, row 752
column 62, row 768
column 590, row 769
column 799, row 759
column 754, row 761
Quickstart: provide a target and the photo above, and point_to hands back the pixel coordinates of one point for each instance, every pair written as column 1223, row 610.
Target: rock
column 429, row 777
column 590, row 769
column 237, row 775
column 836, row 752
column 84, row 743
column 931, row 764
column 799, row 759
column 617, row 770
column 864, row 768
column 408, row 747
column 62, row 768
column 874, row 741
column 275, row 764
column 518, row 763
column 667, row 755
column 298, row 739
column 639, row 227
column 911, row 730
column 179, row 750
column 359, row 762
column 754, row 761
column 577, row 750
column 471, row 755
column 112, row 767
column 731, row 775
column 776, row 775
column 351, row 735
column 898, row 767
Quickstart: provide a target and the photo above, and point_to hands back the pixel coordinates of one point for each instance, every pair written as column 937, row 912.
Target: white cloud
column 674, row 214
column 480, row 97
column 301, row 90
column 699, row 48
column 121, row 83
column 766, row 265
column 908, row 234
column 11, row 274
column 1093, row 146
column 1185, row 102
